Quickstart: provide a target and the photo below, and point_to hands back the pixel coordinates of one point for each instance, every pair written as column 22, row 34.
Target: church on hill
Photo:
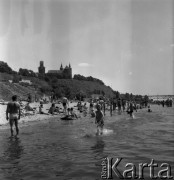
column 62, row 73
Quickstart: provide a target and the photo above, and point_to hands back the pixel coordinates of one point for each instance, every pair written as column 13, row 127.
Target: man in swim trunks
column 99, row 120
column 13, row 114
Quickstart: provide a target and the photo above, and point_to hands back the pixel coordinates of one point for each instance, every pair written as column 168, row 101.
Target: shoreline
column 29, row 116
column 31, row 119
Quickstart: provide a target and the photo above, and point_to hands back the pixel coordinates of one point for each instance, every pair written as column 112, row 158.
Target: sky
column 128, row 44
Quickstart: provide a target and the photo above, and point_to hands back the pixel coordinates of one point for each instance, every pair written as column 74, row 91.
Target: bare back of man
column 13, row 114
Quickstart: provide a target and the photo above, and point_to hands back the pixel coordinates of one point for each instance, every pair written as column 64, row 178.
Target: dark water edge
column 56, row 149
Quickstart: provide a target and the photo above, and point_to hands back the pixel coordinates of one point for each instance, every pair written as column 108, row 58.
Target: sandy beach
column 29, row 115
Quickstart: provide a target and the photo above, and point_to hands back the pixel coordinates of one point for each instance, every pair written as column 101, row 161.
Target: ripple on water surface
column 71, row 150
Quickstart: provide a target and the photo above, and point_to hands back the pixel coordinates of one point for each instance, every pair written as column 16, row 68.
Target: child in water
column 149, row 109
column 73, row 114
column 99, row 120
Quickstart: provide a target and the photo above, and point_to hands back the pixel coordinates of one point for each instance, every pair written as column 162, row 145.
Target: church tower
column 61, row 67
column 41, row 68
column 70, row 71
column 67, row 72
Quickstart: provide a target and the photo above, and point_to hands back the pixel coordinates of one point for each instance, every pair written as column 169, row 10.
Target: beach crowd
column 94, row 108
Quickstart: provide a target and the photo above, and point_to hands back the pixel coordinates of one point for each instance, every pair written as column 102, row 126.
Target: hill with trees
column 12, row 82
column 60, row 87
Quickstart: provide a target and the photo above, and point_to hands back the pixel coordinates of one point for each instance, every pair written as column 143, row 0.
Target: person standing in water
column 65, row 104
column 110, row 107
column 119, row 105
column 99, row 120
column 13, row 114
column 102, row 103
column 123, row 104
column 131, row 109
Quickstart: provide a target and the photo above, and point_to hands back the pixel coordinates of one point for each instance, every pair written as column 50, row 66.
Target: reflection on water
column 14, row 149
column 11, row 158
column 98, row 148
column 98, row 152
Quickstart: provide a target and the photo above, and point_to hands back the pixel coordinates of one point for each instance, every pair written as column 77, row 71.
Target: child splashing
column 99, row 120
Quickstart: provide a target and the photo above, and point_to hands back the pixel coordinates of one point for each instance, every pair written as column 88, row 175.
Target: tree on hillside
column 54, row 80
column 146, row 98
column 79, row 77
column 45, row 89
column 67, row 92
column 5, row 68
column 103, row 93
column 90, row 78
column 47, row 79
column 117, row 94
column 131, row 96
column 32, row 73
column 59, row 92
column 80, row 95
column 127, row 96
column 96, row 91
column 138, row 98
column 23, row 72
column 26, row 72
column 99, row 81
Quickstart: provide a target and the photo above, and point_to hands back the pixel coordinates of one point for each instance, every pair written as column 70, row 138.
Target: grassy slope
column 86, row 86
column 36, row 81
column 7, row 89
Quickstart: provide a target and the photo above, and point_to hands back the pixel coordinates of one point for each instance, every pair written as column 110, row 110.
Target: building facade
column 62, row 73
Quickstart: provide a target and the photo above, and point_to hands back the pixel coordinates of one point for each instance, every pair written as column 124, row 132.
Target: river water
column 56, row 149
